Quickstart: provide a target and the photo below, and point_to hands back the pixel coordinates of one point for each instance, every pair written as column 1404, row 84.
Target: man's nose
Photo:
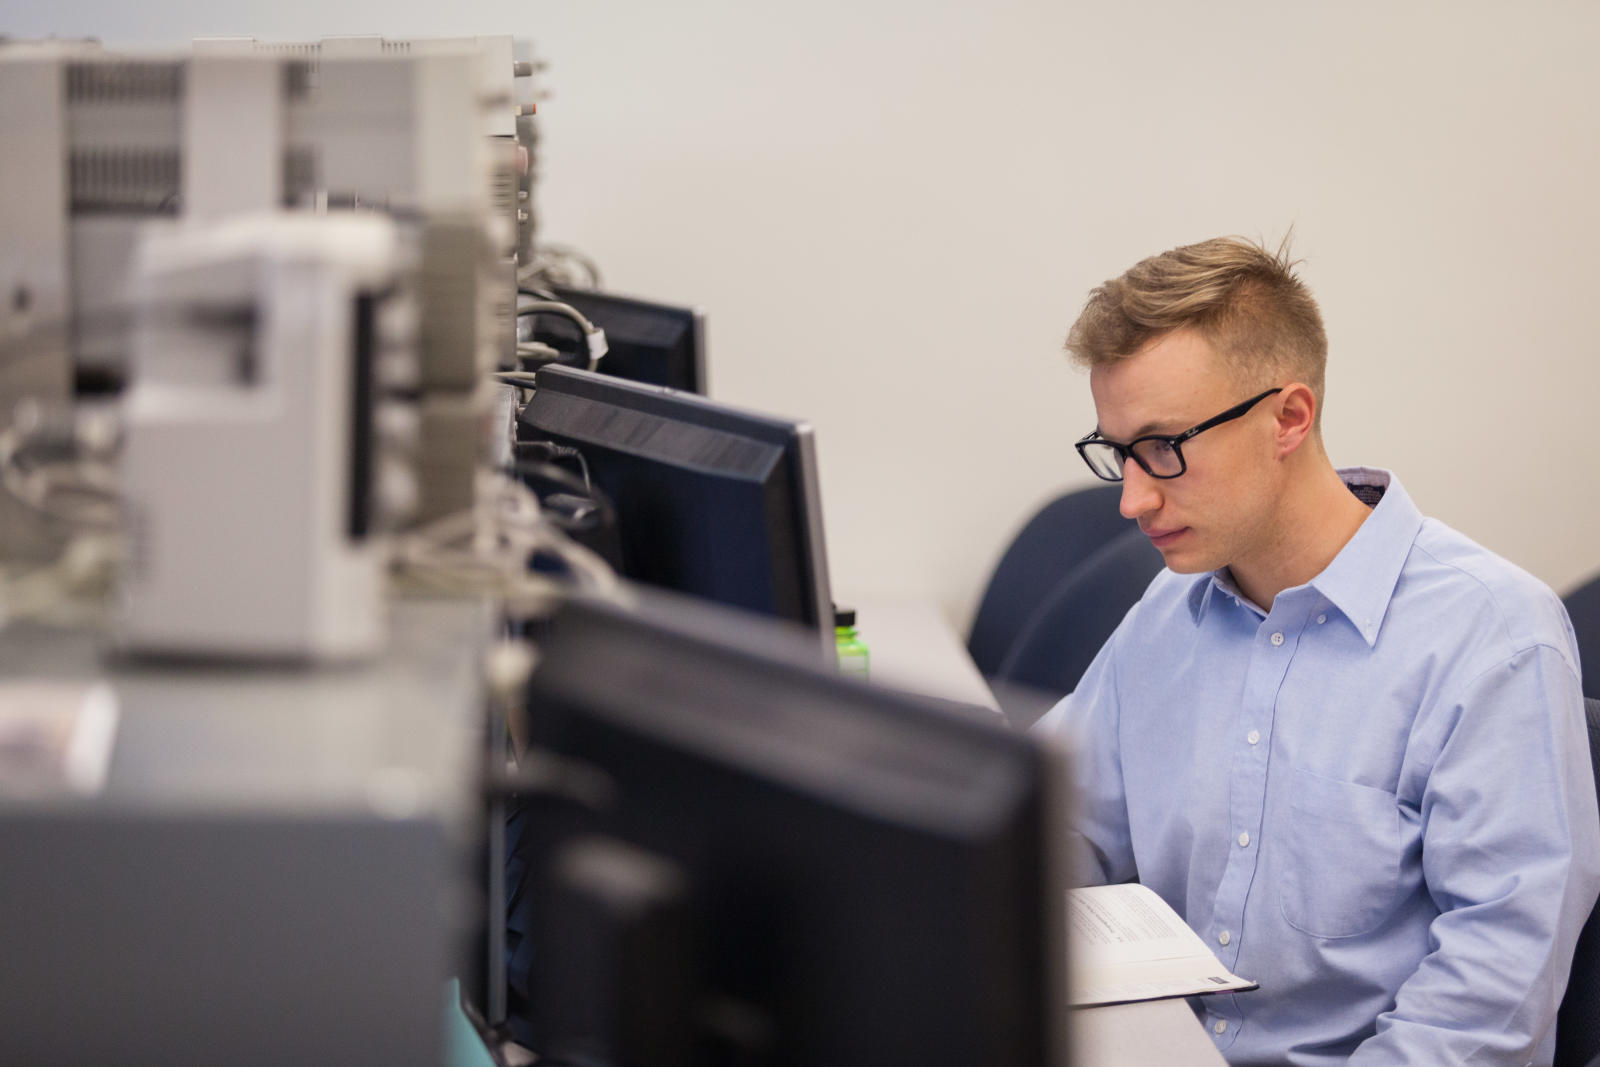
column 1140, row 492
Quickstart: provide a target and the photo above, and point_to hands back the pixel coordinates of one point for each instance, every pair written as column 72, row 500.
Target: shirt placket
column 1276, row 640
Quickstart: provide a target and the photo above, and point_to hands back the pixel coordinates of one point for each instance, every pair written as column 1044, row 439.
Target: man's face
column 1219, row 511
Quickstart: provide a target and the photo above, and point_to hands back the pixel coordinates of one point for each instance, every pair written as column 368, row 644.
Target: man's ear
column 1296, row 417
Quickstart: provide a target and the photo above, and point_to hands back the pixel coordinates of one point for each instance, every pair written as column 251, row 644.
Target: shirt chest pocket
column 1343, row 857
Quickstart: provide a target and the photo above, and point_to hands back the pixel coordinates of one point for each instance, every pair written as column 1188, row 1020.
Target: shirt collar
column 1201, row 592
column 1361, row 579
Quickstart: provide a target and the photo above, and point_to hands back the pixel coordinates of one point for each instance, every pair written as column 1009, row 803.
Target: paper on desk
column 1128, row 944
column 55, row 736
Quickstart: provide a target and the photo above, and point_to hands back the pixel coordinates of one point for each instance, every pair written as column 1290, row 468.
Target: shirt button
column 1224, row 937
column 1219, row 1027
column 1254, row 737
column 1244, row 840
column 1277, row 638
column 1321, row 619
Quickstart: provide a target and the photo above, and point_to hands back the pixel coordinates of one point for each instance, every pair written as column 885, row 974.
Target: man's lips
column 1160, row 538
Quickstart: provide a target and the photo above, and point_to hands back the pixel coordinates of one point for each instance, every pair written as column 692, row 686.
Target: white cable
column 537, row 351
column 486, row 551
column 552, row 265
column 593, row 335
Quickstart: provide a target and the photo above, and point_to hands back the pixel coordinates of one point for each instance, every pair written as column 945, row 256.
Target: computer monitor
column 710, row 500
column 658, row 344
column 754, row 861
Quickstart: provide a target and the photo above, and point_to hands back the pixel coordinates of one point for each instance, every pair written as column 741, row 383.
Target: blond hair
column 1244, row 300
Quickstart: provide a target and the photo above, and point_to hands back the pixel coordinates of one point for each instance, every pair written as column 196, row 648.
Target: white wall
column 893, row 210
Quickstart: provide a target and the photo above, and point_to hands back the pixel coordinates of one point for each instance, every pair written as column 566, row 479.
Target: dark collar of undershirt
column 1367, row 494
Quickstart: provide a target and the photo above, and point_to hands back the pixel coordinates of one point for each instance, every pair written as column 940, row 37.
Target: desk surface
column 913, row 647
column 363, row 738
column 1157, row 1033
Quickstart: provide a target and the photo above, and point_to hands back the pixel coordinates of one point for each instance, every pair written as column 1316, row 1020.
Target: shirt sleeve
column 1100, row 847
column 1510, row 855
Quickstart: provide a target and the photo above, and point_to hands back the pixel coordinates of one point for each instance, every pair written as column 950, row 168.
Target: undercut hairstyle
column 1244, row 300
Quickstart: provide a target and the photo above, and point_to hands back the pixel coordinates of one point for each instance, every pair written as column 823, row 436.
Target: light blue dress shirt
column 1375, row 799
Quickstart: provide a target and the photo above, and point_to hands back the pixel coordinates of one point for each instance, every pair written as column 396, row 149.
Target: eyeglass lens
column 1104, row 460
column 1159, row 457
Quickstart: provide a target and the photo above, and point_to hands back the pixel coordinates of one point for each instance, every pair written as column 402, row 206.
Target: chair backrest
column 1578, row 1022
column 1066, row 630
column 1060, row 536
column 1583, row 606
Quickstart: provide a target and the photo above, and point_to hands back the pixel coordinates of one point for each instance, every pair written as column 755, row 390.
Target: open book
column 1128, row 944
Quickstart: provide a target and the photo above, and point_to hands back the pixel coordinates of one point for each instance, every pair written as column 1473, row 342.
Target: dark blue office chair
column 1061, row 638
column 1583, row 605
column 1060, row 536
column 1578, row 1022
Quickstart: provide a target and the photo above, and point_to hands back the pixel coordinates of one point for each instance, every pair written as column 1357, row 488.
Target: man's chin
column 1184, row 560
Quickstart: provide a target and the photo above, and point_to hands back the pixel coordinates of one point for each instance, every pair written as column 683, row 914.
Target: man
column 1343, row 741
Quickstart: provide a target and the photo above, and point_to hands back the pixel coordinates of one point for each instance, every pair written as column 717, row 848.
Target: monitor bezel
column 796, row 436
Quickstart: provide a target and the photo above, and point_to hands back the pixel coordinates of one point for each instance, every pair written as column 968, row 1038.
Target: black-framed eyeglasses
column 1160, row 455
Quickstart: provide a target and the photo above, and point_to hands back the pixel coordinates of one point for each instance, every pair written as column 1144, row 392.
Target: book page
column 1119, row 923
column 1128, row 944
